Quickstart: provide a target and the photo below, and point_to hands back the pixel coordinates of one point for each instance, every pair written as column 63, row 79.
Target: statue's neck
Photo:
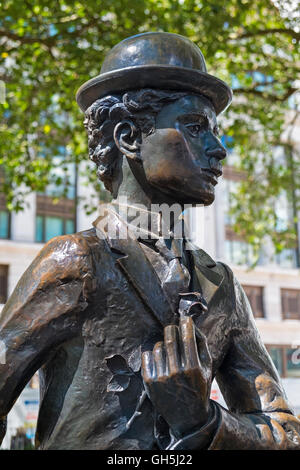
column 135, row 194
column 137, row 190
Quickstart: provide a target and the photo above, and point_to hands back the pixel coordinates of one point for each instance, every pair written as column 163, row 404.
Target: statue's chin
column 187, row 194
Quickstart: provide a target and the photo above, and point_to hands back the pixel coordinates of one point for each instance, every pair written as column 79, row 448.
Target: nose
column 217, row 151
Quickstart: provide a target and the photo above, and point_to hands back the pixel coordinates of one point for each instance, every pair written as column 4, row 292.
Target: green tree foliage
column 48, row 48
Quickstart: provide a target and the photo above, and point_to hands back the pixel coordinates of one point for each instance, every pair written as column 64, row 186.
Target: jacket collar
column 132, row 260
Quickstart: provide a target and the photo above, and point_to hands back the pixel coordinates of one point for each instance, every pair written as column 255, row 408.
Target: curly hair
column 104, row 114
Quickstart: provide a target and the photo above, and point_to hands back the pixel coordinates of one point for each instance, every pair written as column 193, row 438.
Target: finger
column 148, row 367
column 172, row 348
column 188, row 341
column 202, row 347
column 159, row 356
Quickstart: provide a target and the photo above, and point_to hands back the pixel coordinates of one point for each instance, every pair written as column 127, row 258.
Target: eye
column 194, row 129
column 216, row 131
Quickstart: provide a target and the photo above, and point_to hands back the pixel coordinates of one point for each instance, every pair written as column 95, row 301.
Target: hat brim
column 155, row 76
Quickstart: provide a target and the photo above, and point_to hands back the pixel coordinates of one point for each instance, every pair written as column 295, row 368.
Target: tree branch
column 263, row 94
column 26, row 39
column 264, row 32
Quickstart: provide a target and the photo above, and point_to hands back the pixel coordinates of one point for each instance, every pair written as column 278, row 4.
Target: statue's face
column 182, row 158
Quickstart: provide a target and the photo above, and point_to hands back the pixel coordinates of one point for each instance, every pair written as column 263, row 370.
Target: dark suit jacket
column 82, row 313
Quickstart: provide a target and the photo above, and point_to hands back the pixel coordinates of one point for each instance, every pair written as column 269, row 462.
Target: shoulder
column 203, row 260
column 63, row 261
column 227, row 272
column 59, row 279
column 78, row 244
column 66, row 253
column 230, row 292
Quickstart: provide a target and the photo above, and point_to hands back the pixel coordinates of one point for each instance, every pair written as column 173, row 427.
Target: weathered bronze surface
column 155, row 60
column 128, row 333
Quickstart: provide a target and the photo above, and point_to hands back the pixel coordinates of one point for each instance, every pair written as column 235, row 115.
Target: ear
column 127, row 139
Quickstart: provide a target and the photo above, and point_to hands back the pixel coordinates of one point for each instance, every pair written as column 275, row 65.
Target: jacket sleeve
column 258, row 415
column 43, row 311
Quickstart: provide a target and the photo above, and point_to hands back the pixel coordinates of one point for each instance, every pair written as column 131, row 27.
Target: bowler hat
column 155, row 60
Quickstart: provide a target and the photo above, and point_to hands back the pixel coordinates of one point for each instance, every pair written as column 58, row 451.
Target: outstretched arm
column 43, row 311
column 259, row 415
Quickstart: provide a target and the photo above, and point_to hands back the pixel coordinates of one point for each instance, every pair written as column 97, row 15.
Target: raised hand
column 177, row 376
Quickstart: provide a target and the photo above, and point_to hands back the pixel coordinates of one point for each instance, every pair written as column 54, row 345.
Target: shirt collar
column 147, row 225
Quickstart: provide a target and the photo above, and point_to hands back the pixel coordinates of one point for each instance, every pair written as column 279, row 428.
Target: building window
column 3, row 283
column 286, row 360
column 287, row 258
column 255, row 297
column 4, row 213
column 230, row 189
column 290, row 304
column 277, row 358
column 4, row 224
column 48, row 227
column 63, row 177
column 56, row 207
column 238, row 252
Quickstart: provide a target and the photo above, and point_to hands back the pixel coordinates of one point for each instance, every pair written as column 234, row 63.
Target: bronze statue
column 128, row 332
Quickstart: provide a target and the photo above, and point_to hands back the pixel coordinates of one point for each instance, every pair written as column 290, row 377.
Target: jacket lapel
column 132, row 260
column 209, row 278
